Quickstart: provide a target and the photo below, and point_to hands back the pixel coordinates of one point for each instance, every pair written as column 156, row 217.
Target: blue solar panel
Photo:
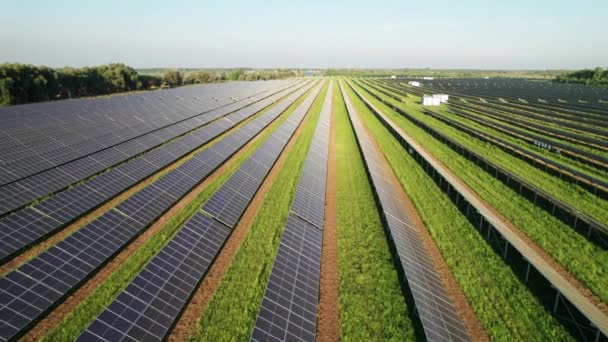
column 289, row 307
column 148, row 307
column 60, row 269
column 435, row 308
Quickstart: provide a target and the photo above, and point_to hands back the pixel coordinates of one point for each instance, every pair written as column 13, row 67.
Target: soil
column 328, row 327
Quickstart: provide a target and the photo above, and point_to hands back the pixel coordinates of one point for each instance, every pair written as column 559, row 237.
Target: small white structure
column 427, row 78
column 414, row 83
column 442, row 97
column 393, row 77
column 430, row 100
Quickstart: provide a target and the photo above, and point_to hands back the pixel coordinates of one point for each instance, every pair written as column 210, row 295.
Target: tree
column 172, row 78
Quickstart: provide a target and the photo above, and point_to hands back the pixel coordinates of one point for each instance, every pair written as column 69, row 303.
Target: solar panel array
column 31, row 224
column 36, row 137
column 149, row 306
column 25, row 190
column 289, row 307
column 230, row 201
column 435, row 308
column 29, row 291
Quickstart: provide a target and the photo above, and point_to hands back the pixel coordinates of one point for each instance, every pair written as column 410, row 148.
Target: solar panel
column 54, row 179
column 64, row 266
column 73, row 203
column 147, row 308
column 289, row 307
column 105, row 122
column 230, row 201
column 150, row 304
column 435, row 308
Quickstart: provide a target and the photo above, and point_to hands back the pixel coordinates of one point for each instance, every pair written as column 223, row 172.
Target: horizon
column 471, row 35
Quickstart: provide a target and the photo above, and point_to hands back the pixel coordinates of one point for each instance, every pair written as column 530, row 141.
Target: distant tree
column 172, row 78
column 597, row 76
column 150, row 81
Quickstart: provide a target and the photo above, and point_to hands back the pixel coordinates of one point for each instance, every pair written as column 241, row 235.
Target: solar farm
column 311, row 208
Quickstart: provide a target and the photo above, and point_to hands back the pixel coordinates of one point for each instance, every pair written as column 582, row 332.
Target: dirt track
column 328, row 328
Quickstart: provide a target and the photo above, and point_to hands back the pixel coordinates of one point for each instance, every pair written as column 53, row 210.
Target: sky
column 468, row 34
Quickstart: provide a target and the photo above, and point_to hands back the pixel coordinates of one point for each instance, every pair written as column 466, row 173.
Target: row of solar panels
column 28, row 292
column 26, row 190
column 33, row 223
column 36, row 147
column 148, row 307
column 536, row 127
column 437, row 313
column 289, row 307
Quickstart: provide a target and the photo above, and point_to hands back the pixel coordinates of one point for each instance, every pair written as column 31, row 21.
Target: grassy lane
column 372, row 306
column 585, row 261
column 88, row 309
column 231, row 313
column 503, row 305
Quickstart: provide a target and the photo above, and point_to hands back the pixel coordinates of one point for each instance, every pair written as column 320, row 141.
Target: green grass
column 503, row 305
column 231, row 313
column 89, row 308
column 581, row 258
column 372, row 306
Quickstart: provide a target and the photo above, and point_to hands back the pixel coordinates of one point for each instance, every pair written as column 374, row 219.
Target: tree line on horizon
column 24, row 83
column 597, row 76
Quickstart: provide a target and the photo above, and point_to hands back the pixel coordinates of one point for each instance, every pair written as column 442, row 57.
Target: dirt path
column 328, row 328
column 186, row 325
column 455, row 292
column 58, row 314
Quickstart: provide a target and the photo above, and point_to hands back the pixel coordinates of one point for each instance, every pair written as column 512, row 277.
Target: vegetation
column 87, row 310
column 372, row 305
column 172, row 78
column 23, row 83
column 597, row 76
column 231, row 313
column 503, row 305
column 586, row 262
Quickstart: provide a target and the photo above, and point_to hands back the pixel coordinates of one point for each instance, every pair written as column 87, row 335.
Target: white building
column 427, row 78
column 442, row 97
column 430, row 100
column 393, row 77
column 414, row 83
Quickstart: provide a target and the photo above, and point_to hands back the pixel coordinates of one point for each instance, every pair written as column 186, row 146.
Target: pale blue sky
column 512, row 34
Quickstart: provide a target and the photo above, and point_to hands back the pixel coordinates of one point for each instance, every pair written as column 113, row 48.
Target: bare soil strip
column 58, row 314
column 328, row 327
column 186, row 325
column 455, row 292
